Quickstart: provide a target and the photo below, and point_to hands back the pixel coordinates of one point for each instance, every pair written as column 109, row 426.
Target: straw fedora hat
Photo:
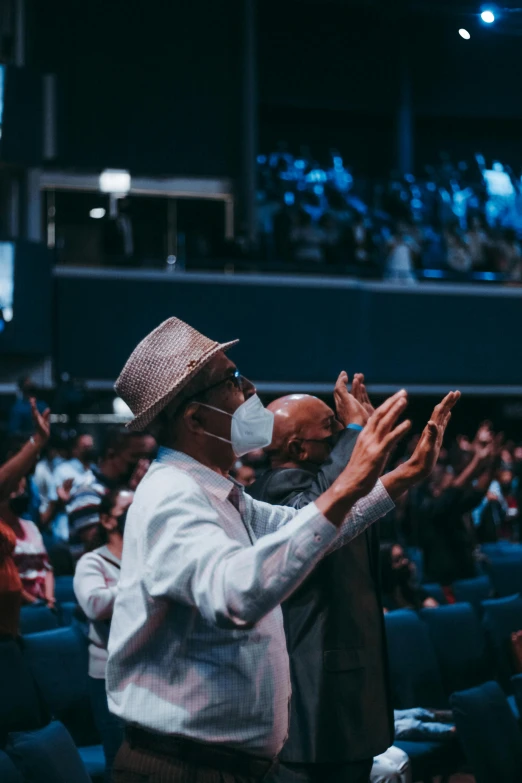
column 161, row 366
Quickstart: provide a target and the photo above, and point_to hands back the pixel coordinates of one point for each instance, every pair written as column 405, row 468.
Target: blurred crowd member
column 30, row 555
column 95, row 584
column 399, row 585
column 243, row 474
column 21, row 414
column 124, row 460
column 459, row 257
column 307, row 240
column 442, row 513
column 68, row 475
column 509, row 255
column 44, row 477
column 400, row 262
column 497, row 515
column 478, row 242
column 10, row 585
column 23, row 462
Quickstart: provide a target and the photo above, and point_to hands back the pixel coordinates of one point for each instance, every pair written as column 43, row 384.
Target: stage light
column 487, row 16
column 8, row 314
column 97, row 213
column 113, row 181
column 464, row 34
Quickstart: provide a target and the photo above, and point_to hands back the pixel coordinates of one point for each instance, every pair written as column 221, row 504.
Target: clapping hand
column 349, row 409
column 426, row 454
column 360, row 393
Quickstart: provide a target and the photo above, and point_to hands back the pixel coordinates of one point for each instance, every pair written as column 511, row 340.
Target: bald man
column 341, row 712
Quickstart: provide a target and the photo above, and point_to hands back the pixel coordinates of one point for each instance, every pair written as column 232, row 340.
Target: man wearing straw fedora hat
column 198, row 668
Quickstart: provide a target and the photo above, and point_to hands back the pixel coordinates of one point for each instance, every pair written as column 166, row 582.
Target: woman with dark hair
column 399, row 589
column 95, row 585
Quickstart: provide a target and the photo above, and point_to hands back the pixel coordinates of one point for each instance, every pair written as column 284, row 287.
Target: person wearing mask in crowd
column 95, row 585
column 124, row 460
column 497, row 515
column 441, row 517
column 21, row 417
column 334, row 621
column 400, row 589
column 70, row 475
column 205, row 567
column 30, row 555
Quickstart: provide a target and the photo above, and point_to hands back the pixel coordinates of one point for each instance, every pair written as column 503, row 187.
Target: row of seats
column 46, row 680
column 436, row 652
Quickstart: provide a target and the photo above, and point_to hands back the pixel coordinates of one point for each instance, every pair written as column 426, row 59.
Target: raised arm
column 22, row 462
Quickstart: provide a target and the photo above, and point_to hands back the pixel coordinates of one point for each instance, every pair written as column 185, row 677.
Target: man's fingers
column 381, row 412
column 394, row 437
column 389, row 419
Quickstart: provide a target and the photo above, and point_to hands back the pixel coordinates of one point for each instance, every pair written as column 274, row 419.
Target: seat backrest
column 415, row 676
column 34, row 619
column 502, row 616
column 435, row 591
column 473, row 591
column 59, row 663
column 63, row 590
column 459, row 645
column 489, row 733
column 505, row 573
column 48, row 755
column 20, row 706
column 8, row 771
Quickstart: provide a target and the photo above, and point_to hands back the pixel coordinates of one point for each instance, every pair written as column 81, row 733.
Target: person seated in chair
column 399, row 587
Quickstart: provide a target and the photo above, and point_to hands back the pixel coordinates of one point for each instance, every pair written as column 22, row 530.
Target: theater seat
column 20, row 706
column 435, row 591
column 63, row 590
column 47, row 755
column 502, row 616
column 505, row 573
column 473, row 591
column 429, row 759
column 459, row 645
column 94, row 761
column 415, row 676
column 489, row 734
column 8, row 771
column 37, row 618
column 59, row 663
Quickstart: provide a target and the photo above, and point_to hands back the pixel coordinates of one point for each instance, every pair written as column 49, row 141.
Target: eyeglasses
column 236, row 378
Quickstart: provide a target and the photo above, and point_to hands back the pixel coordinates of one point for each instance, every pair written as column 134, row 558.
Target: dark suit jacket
column 340, row 709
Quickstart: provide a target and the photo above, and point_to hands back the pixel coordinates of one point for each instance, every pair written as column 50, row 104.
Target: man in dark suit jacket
column 341, row 711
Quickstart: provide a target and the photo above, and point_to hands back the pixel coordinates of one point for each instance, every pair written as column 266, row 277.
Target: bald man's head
column 305, row 429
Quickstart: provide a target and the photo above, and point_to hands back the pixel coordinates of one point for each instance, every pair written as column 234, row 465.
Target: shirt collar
column 214, row 482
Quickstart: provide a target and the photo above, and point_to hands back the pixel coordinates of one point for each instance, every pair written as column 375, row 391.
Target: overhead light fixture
column 115, row 181
column 487, row 16
column 464, row 34
column 97, row 213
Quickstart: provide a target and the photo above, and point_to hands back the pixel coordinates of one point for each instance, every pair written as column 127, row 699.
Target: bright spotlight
column 464, row 34
column 97, row 213
column 114, row 181
column 487, row 16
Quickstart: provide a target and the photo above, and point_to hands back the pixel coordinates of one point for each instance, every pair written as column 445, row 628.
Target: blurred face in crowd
column 125, row 460
column 402, row 568
column 440, row 480
column 305, row 430
column 114, row 523
column 84, row 449
column 505, row 479
column 19, row 499
column 245, row 475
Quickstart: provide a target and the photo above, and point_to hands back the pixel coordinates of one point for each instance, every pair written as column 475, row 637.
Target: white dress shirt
column 197, row 645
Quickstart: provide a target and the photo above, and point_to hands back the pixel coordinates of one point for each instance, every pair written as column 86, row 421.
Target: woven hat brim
column 142, row 421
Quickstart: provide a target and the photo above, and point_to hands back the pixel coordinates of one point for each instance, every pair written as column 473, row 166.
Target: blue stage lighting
column 464, row 34
column 487, row 16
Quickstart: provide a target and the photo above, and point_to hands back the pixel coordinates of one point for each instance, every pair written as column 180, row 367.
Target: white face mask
column 251, row 428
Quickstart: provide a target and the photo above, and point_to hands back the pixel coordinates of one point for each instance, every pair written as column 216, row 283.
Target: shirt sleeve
column 189, row 558
column 266, row 519
column 92, row 592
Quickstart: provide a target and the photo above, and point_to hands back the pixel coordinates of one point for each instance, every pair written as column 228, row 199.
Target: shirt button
column 317, row 537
